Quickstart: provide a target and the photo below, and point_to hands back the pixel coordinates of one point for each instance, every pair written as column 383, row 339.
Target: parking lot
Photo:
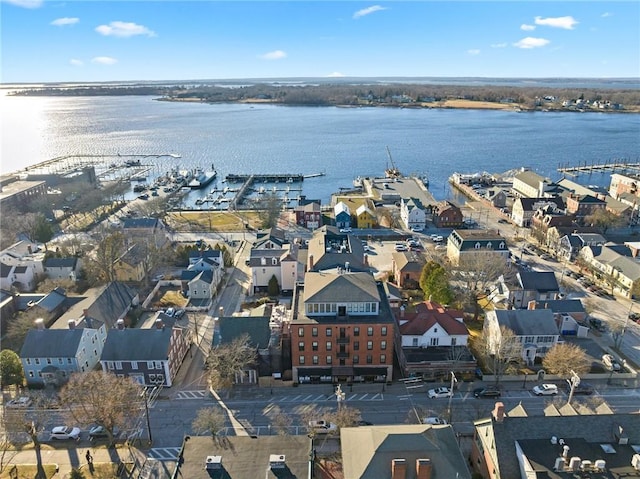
column 380, row 253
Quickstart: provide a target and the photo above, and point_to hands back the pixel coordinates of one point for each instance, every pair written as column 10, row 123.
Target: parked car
column 170, row 311
column 417, row 228
column 65, row 433
column 345, row 230
column 97, row 432
column 433, row 420
column 158, row 277
column 597, row 324
column 487, row 392
column 610, row 362
column 179, row 313
column 20, row 402
column 545, row 390
column 322, row 427
column 582, row 388
column 441, row 392
column 401, row 247
column 364, row 423
column 502, row 220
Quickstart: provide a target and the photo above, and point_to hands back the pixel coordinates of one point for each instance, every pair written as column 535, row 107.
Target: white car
column 322, row 427
column 345, row 230
column 433, row 420
column 545, row 390
column 441, row 392
column 20, row 402
column 65, row 432
column 417, row 228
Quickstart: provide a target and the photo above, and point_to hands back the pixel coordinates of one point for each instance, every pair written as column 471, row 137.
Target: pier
column 266, row 178
column 613, row 166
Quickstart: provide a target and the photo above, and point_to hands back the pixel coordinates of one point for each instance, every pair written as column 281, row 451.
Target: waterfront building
column 464, row 245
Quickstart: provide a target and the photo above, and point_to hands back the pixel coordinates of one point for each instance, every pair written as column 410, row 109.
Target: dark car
column 486, row 392
column 582, row 388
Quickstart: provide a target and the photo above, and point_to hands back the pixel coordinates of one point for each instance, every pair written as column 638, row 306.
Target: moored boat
column 202, row 178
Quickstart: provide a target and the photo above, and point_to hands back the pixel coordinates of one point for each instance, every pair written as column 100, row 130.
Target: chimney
column 311, row 263
column 498, row 412
column 398, row 468
column 39, row 323
column 120, row 324
column 213, row 463
column 346, row 266
column 423, row 468
column 159, row 324
column 220, row 311
column 531, row 304
column 72, row 324
column 402, row 311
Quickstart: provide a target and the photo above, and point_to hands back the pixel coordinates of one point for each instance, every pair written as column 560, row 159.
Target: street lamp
column 575, row 382
column 453, row 381
column 339, row 396
column 146, row 409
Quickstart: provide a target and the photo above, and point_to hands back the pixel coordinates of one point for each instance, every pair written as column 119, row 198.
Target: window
column 109, row 364
column 158, row 364
column 301, row 359
column 329, row 359
column 370, row 331
column 314, row 345
column 356, row 359
column 383, row 331
column 37, row 360
column 369, row 345
column 300, row 332
column 383, row 345
column 356, row 331
column 60, row 361
column 328, row 345
column 301, row 346
column 314, row 331
column 356, row 345
column 118, row 364
column 369, row 359
column 328, row 332
column 28, row 361
column 528, row 339
column 149, row 364
column 48, row 360
column 274, row 261
column 383, row 358
column 30, row 374
column 453, row 341
column 433, row 342
column 134, row 364
column 415, row 342
column 315, row 360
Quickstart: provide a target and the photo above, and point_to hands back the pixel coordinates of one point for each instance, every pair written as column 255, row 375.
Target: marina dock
column 606, row 167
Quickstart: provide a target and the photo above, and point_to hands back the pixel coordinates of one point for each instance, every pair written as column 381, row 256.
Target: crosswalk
column 164, row 453
column 354, row 397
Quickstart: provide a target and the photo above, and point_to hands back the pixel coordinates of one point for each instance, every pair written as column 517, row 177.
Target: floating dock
column 612, row 166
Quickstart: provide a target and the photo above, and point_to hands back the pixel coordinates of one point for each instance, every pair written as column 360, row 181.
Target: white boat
column 201, row 178
column 357, row 183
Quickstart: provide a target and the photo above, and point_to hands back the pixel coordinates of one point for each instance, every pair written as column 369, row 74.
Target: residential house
column 447, row 215
column 413, row 213
column 524, row 208
column 419, row 451
column 50, row 356
column 529, row 184
column 342, row 215
column 198, row 285
column 583, row 205
column 434, row 342
column 622, row 205
column 536, row 330
column 272, row 238
column 615, row 266
column 106, row 304
column 467, row 245
column 547, row 218
column 62, row 268
column 245, row 457
column 407, row 268
column 571, row 244
column 267, row 263
column 394, row 294
column 342, row 329
column 496, row 196
column 52, row 305
column 151, row 230
column 330, row 250
column 518, row 446
column 365, row 217
column 529, row 286
column 258, row 331
column 309, row 216
column 20, row 266
column 131, row 265
column 208, row 260
column 569, row 314
column 151, row 357
column 18, row 277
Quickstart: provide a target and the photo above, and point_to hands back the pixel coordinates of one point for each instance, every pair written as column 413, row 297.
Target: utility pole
column 453, row 381
column 146, row 409
column 339, row 396
column 575, row 382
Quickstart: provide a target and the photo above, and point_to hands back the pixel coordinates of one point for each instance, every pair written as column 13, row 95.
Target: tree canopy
column 434, row 282
column 10, row 368
column 226, row 361
column 563, row 358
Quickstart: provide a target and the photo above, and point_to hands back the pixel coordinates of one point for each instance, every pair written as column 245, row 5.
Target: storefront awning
column 372, row 371
column 314, row 372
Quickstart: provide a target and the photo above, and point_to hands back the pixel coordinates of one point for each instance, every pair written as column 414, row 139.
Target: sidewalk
column 74, row 457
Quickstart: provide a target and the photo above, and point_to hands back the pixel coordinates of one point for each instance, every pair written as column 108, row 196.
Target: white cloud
column 124, row 30
column 104, row 60
column 498, row 45
column 335, row 75
column 526, row 27
column 473, row 51
column 76, row 63
column 61, row 22
column 531, row 42
column 25, row 3
column 368, row 11
column 557, row 22
column 274, row 55
column 606, row 14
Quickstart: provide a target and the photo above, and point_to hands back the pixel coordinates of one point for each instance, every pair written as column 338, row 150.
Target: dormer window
column 477, row 245
column 502, row 245
column 489, row 245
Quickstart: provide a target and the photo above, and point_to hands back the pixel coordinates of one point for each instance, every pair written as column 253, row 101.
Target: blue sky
column 77, row 41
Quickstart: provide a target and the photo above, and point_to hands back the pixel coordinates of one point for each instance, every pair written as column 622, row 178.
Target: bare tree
column 18, row 328
column 209, row 420
column 500, row 351
column 564, row 358
column 226, row 361
column 270, row 208
column 103, row 399
column 604, row 219
column 281, row 423
column 101, row 264
column 345, row 416
column 477, row 273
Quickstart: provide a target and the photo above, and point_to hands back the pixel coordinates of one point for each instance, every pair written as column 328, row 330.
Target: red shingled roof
column 429, row 313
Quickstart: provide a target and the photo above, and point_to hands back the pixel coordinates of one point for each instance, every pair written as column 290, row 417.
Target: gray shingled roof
column 541, row 281
column 51, row 343
column 347, row 287
column 133, row 344
column 111, row 303
column 60, row 262
column 257, row 327
column 527, row 322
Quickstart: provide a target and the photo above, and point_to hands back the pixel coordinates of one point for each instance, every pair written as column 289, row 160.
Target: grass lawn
column 214, row 220
column 26, row 471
